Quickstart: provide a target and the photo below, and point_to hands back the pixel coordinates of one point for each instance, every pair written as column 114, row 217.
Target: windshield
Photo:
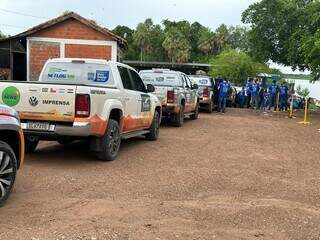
column 80, row 73
column 161, row 79
column 201, row 81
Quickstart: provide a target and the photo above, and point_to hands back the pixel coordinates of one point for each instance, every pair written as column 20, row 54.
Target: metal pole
column 305, row 118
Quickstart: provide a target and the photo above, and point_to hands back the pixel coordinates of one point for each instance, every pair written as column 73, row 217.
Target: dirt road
column 233, row 176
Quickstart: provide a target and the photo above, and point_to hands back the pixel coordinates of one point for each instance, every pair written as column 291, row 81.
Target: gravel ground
column 241, row 175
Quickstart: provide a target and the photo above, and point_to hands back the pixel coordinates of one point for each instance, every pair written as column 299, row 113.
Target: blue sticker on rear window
column 102, row 76
column 203, row 81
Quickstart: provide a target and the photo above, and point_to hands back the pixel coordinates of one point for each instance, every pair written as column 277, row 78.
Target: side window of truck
column 138, row 83
column 125, row 77
column 188, row 81
column 186, row 84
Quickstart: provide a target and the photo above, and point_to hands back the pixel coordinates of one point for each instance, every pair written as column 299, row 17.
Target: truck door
column 144, row 107
column 188, row 94
column 131, row 101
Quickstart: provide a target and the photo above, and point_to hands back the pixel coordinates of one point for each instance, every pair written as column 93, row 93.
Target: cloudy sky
column 111, row 13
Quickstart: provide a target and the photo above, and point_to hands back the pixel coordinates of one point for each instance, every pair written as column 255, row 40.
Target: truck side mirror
column 195, row 86
column 150, row 88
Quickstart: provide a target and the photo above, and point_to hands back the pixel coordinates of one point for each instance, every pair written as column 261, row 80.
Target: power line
column 22, row 14
column 13, row 26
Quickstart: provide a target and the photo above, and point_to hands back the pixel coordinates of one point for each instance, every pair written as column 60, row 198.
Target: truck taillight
column 206, row 92
column 82, row 105
column 170, row 97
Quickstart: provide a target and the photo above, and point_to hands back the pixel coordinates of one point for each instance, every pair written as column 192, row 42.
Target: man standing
column 241, row 97
column 248, row 90
column 255, row 94
column 273, row 91
column 224, row 88
column 284, row 97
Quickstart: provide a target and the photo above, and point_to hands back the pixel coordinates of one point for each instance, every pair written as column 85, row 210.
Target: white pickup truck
column 178, row 95
column 99, row 100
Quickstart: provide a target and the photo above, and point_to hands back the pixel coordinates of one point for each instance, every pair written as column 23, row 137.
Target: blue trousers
column 222, row 103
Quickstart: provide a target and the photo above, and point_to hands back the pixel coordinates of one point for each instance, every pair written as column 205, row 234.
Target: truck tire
column 195, row 115
column 154, row 129
column 8, row 171
column 111, row 142
column 179, row 117
column 210, row 107
column 31, row 144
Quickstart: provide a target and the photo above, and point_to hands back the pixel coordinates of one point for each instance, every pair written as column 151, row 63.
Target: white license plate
column 43, row 126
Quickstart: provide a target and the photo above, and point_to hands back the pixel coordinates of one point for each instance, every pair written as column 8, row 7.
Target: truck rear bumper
column 77, row 129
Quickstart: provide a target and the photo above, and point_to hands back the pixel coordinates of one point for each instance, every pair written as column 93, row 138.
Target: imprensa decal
column 56, row 102
column 11, row 96
column 98, row 92
column 145, row 103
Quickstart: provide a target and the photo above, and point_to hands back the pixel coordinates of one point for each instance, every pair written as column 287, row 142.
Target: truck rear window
column 83, row 73
column 201, row 81
column 161, row 79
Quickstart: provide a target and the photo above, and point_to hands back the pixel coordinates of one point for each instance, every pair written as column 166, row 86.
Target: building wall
column 87, row 51
column 39, row 53
column 68, row 39
column 72, row 29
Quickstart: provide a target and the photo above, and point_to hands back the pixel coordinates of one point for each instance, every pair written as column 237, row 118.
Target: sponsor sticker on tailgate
column 11, row 96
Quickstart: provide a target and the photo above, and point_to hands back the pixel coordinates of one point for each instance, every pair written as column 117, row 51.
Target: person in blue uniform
column 224, row 89
column 242, row 97
column 255, row 88
column 284, row 97
column 248, row 91
column 273, row 91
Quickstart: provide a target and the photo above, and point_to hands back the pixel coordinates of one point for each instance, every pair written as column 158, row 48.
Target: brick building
column 70, row 35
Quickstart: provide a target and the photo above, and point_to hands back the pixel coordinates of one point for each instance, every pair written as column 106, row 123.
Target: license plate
column 43, row 126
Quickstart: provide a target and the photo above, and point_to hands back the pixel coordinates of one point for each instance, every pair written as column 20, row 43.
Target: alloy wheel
column 7, row 173
column 114, row 140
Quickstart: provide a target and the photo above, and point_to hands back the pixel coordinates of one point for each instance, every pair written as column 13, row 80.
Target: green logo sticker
column 11, row 96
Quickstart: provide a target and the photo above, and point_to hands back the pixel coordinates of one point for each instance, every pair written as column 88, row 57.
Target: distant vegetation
column 286, row 32
column 298, row 76
column 227, row 48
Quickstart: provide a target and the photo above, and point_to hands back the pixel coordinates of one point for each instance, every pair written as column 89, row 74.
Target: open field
column 235, row 176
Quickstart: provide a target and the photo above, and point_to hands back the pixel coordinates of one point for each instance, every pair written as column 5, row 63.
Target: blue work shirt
column 284, row 91
column 273, row 89
column 224, row 89
column 255, row 89
column 248, row 87
column 242, row 93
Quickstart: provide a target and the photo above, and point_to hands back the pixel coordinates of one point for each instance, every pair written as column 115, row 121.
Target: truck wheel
column 154, row 129
column 8, row 171
column 195, row 115
column 179, row 117
column 31, row 144
column 210, row 107
column 111, row 142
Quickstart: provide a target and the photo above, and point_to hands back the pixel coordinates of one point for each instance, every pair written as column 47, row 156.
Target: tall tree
column 148, row 37
column 127, row 33
column 176, row 45
column 237, row 66
column 286, row 31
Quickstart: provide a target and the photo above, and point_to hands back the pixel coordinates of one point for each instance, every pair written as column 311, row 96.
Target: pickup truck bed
column 78, row 98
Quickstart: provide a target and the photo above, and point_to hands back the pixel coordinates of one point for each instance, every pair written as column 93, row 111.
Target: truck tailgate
column 39, row 101
column 161, row 93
